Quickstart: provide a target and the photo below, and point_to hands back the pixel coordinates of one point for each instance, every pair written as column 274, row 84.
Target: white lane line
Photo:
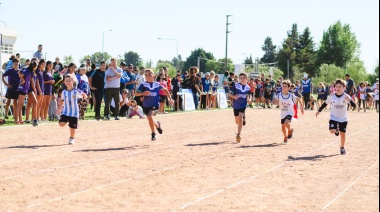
column 344, row 191
column 269, row 170
column 174, row 167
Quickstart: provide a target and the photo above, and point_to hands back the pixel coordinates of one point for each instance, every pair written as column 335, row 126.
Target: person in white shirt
column 339, row 114
column 376, row 91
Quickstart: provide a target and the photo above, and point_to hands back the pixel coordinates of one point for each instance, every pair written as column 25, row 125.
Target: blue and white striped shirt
column 70, row 99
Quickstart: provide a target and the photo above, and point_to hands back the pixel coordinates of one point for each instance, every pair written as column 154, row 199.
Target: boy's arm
column 168, row 95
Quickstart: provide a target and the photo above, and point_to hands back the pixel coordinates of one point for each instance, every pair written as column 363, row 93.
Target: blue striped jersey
column 70, row 99
column 153, row 100
column 242, row 91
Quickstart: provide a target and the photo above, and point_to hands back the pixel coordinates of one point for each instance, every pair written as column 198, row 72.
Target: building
column 9, row 38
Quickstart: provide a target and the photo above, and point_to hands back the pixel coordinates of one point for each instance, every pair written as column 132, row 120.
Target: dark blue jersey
column 242, row 91
column 153, row 100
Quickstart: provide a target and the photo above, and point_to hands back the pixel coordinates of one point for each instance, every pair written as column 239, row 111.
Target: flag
column 295, row 112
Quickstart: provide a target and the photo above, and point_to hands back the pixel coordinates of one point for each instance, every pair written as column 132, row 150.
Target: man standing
column 124, row 78
column 96, row 81
column 375, row 85
column 350, row 88
column 176, row 84
column 273, row 85
column 39, row 55
column 57, row 65
column 307, row 86
column 113, row 75
column 131, row 85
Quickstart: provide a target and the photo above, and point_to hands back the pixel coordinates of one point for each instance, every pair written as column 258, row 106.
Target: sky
column 68, row 27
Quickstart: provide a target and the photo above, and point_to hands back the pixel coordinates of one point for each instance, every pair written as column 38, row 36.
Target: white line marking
column 344, row 191
column 267, row 171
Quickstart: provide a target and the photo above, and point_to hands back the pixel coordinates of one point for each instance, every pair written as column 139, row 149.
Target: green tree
column 133, row 58
column 288, row 51
column 270, row 54
column 172, row 71
column 178, row 62
column 96, row 57
column 192, row 60
column 338, row 46
column 68, row 59
column 305, row 58
column 219, row 66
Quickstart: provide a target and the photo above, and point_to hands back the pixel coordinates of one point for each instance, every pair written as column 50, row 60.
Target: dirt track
column 194, row 166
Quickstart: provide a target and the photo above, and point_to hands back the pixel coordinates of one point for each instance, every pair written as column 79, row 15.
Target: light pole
column 103, row 43
column 227, row 32
column 177, row 48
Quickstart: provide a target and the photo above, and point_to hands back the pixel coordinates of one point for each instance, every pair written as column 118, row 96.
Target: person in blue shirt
column 131, row 85
column 307, row 87
column 240, row 94
column 150, row 90
column 205, row 88
column 12, row 86
column 124, row 77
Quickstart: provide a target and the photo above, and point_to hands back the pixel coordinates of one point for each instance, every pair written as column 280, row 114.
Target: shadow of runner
column 261, row 146
column 32, row 147
column 113, row 149
column 312, row 158
column 206, row 144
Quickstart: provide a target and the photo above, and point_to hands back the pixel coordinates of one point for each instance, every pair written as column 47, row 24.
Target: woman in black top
column 193, row 83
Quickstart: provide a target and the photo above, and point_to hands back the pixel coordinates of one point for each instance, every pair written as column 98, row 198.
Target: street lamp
column 227, row 32
column 103, row 43
column 177, row 48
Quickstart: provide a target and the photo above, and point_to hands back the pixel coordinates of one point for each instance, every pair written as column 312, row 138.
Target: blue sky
column 75, row 27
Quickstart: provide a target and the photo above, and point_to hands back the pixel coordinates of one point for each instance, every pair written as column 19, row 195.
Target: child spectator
column 135, row 110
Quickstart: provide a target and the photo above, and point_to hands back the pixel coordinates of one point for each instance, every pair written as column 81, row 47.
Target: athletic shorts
column 257, row 95
column 287, row 118
column 267, row 95
column 162, row 99
column 238, row 111
column 147, row 110
column 342, row 126
column 21, row 93
column 73, row 121
column 11, row 94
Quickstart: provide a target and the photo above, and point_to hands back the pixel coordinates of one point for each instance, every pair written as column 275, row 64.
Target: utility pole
column 199, row 63
column 227, row 32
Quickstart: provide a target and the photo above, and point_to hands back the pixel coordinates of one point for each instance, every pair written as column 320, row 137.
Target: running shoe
column 35, row 123
column 238, row 138
column 159, row 129
column 27, row 122
column 290, row 135
column 154, row 137
column 342, row 151
column 286, row 140
column 71, row 141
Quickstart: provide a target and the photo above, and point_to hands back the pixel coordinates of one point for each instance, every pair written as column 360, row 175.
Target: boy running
column 240, row 95
column 68, row 107
column 339, row 116
column 151, row 103
column 288, row 105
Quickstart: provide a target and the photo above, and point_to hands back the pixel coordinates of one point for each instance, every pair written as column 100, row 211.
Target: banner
column 222, row 99
column 188, row 99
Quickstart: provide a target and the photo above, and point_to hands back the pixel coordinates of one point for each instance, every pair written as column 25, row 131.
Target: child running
column 68, row 107
column 288, row 105
column 151, row 103
column 339, row 115
column 240, row 95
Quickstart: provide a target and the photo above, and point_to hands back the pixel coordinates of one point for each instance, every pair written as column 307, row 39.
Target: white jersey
column 339, row 107
column 287, row 103
column 70, row 99
column 362, row 96
column 376, row 94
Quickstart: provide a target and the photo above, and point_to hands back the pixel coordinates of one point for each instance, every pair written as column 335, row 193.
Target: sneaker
column 159, row 129
column 286, row 140
column 71, row 141
column 154, row 137
column 343, row 151
column 290, row 135
column 244, row 122
column 107, row 118
column 117, row 118
column 238, row 138
column 27, row 122
column 337, row 133
column 35, row 123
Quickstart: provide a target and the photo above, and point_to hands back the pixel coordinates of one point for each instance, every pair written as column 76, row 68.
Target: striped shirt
column 70, row 99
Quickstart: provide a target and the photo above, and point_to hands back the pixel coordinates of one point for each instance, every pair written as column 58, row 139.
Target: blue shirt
column 153, row 100
column 215, row 87
column 38, row 55
column 279, row 89
column 26, row 86
column 70, row 99
column 124, row 78
column 13, row 79
column 206, row 85
column 132, row 78
column 9, row 65
column 306, row 84
column 242, row 91
column 40, row 77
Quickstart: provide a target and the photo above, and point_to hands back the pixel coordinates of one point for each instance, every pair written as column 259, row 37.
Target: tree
column 96, row 57
column 133, row 58
column 178, row 62
column 219, row 66
column 338, row 46
column 68, row 59
column 305, row 58
column 288, row 52
column 192, row 60
column 270, row 51
column 172, row 71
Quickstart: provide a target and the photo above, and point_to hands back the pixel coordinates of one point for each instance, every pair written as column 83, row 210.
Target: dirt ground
column 194, row 166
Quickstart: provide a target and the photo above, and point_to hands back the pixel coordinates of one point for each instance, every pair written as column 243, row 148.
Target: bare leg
column 342, row 139
column 15, row 111
column 20, row 103
column 72, row 133
column 240, row 122
column 7, row 104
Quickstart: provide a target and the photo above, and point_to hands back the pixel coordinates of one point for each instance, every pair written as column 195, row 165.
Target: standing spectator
column 350, row 88
column 38, row 54
column 214, row 89
column 362, row 99
column 252, row 86
column 307, row 88
column 96, row 81
column 162, row 94
column 176, row 84
column 185, row 75
column 113, row 75
column 84, row 87
column 124, row 78
column 332, row 88
column 376, row 83
column 18, row 57
column 40, row 92
column 205, row 88
column 48, row 92
column 9, row 64
column 267, row 93
column 193, row 83
column 273, row 84
column 225, row 83
column 58, row 67
column 376, row 91
column 131, row 85
column 140, row 77
column 88, row 65
column 12, row 86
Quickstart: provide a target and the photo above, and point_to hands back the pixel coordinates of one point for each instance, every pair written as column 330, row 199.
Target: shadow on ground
column 32, row 147
column 261, row 146
column 113, row 149
column 311, row 158
column 206, row 144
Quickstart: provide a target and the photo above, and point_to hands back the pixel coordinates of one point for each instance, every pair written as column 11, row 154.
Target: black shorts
column 162, row 99
column 147, row 110
column 238, row 111
column 22, row 93
column 73, row 121
column 11, row 94
column 257, row 95
column 267, row 96
column 342, row 126
column 286, row 118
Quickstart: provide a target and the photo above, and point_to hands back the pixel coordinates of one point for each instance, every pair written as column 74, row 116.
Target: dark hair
column 27, row 60
column 41, row 61
column 93, row 66
column 72, row 65
column 101, row 63
column 243, row 74
column 339, row 81
column 48, row 63
column 347, row 75
column 226, row 74
column 287, row 82
column 18, row 54
column 15, row 60
column 232, row 74
column 142, row 68
column 32, row 65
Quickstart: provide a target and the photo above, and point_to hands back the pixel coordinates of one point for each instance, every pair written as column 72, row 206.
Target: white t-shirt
column 286, row 104
column 140, row 78
column 362, row 96
column 121, row 100
column 339, row 107
column 376, row 94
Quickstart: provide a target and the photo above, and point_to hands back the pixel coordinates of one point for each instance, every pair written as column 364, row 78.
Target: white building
column 8, row 45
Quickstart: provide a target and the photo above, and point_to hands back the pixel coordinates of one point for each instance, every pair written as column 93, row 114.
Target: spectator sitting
column 135, row 110
column 124, row 104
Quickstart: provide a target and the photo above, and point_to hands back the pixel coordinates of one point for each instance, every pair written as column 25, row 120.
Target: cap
column 207, row 73
column 123, row 64
column 305, row 76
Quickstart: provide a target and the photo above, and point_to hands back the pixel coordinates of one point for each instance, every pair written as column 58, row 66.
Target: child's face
column 243, row 80
column 339, row 88
column 133, row 104
column 320, row 85
column 285, row 88
column 69, row 82
column 149, row 76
